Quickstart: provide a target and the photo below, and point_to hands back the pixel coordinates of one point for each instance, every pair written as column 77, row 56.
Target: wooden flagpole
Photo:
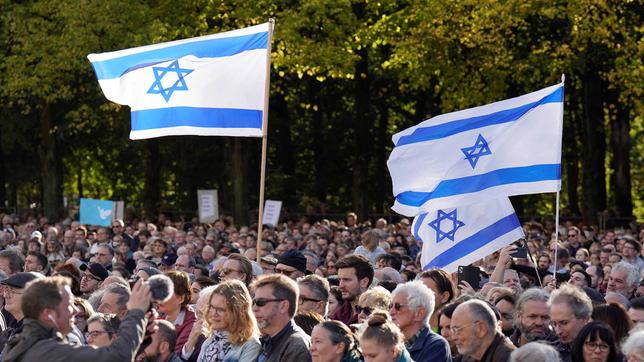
column 262, row 177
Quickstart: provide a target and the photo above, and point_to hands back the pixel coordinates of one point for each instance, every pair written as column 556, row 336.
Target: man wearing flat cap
column 292, row 264
column 12, row 290
column 93, row 275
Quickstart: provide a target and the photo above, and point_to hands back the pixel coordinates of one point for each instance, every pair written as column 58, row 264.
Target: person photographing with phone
column 48, row 307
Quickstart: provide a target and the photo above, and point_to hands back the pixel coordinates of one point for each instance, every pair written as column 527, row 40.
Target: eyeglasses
column 11, row 291
column 572, row 235
column 228, row 271
column 95, row 334
column 305, row 299
column 397, row 306
column 260, row 302
column 593, row 346
column 365, row 310
column 88, row 276
column 457, row 330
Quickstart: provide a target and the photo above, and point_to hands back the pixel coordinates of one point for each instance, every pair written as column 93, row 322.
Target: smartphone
column 521, row 253
column 470, row 274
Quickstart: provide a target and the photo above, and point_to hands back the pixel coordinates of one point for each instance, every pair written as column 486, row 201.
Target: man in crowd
column 161, row 348
column 291, row 263
column 570, row 311
column 631, row 252
column 623, row 279
column 36, row 262
column 411, row 307
column 314, row 294
column 12, row 290
column 11, row 262
column 114, row 300
column 474, row 330
column 636, row 312
column 356, row 274
column 48, row 307
column 596, row 276
column 92, row 276
column 274, row 305
column 104, row 255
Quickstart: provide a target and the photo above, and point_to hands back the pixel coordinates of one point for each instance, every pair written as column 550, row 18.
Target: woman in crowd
column 175, row 309
column 231, row 327
column 376, row 298
column 440, row 282
column 198, row 285
column 85, row 312
column 382, row 340
column 101, row 329
column 595, row 342
column 633, row 348
column 335, row 299
column 332, row 341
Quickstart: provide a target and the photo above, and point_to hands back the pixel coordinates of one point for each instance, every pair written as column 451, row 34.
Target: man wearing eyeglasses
column 570, row 311
column 314, row 294
column 474, row 330
column 93, row 275
column 292, row 264
column 12, row 291
column 274, row 305
column 411, row 306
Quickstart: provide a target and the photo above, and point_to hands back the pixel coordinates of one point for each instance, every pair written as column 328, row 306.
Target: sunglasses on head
column 260, row 302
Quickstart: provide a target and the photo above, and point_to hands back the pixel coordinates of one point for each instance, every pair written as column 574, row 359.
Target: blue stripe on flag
column 196, row 117
column 211, row 48
column 477, row 183
column 419, row 223
column 475, row 242
column 462, row 125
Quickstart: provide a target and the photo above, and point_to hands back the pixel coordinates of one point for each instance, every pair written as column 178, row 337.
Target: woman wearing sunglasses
column 377, row 298
column 231, row 329
column 383, row 341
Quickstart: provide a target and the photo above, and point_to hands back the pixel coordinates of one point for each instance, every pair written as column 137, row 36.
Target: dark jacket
column 290, row 344
column 38, row 342
column 550, row 338
column 499, row 350
column 429, row 346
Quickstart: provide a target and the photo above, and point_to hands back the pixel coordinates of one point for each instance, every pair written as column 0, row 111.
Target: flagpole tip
column 563, row 78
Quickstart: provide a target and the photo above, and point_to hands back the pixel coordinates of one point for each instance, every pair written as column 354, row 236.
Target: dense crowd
column 321, row 291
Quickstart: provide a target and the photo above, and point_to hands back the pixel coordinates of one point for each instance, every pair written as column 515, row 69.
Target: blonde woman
column 232, row 333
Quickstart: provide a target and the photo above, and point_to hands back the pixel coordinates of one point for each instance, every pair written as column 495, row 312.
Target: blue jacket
column 429, row 346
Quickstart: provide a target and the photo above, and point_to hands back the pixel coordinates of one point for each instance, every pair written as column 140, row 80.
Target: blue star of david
column 449, row 216
column 480, row 148
column 179, row 85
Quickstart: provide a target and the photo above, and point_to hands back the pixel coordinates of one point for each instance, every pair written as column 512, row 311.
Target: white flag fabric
column 511, row 147
column 212, row 85
column 463, row 235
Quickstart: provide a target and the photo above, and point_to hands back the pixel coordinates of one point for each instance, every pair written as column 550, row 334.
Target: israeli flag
column 463, row 235
column 96, row 212
column 511, row 147
column 213, row 85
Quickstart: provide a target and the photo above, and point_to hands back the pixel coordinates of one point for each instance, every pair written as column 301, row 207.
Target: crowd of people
column 325, row 291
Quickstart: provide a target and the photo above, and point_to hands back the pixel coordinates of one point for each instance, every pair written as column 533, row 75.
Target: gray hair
column 318, row 286
column 110, row 322
column 577, row 300
column 15, row 258
column 633, row 275
column 122, row 292
column 634, row 344
column 418, row 295
column 535, row 352
column 481, row 311
column 532, row 294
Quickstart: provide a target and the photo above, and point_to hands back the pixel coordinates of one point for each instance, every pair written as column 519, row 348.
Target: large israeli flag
column 463, row 235
column 213, row 85
column 511, row 147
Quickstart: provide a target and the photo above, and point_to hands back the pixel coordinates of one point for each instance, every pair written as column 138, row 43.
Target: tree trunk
column 594, row 147
column 240, row 196
column 51, row 167
column 570, row 151
column 620, row 142
column 319, row 141
column 152, row 183
column 3, row 178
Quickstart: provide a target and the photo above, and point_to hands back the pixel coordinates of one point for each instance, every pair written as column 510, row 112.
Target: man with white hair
column 411, row 306
column 623, row 279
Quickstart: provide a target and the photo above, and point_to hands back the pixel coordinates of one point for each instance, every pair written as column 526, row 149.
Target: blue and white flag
column 96, row 212
column 511, row 147
column 213, row 85
column 463, row 235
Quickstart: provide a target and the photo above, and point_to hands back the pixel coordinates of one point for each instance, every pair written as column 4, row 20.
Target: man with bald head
column 474, row 330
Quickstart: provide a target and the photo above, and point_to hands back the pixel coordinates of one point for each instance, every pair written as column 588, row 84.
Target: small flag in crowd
column 511, row 147
column 463, row 235
column 213, row 85
column 96, row 212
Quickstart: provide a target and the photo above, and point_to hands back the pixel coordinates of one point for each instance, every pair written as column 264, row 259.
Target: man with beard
column 356, row 274
column 532, row 321
column 274, row 305
column 161, row 349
